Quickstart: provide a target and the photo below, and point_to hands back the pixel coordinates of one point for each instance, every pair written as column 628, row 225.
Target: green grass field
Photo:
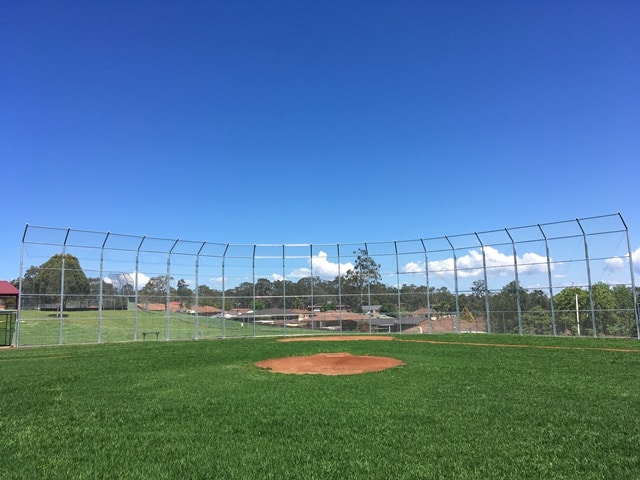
column 203, row 410
column 43, row 328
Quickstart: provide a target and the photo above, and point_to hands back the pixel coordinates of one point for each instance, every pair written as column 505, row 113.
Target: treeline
column 511, row 309
column 42, row 288
column 505, row 309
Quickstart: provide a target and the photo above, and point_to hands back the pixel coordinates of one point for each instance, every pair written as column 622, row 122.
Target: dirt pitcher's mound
column 330, row 364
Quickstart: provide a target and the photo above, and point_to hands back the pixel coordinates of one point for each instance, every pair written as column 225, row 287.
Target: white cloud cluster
column 322, row 267
column 615, row 264
column 471, row 265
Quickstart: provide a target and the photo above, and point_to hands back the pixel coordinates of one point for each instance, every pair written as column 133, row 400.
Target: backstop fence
column 573, row 277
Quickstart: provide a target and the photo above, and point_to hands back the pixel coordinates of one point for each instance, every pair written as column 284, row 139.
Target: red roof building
column 8, row 291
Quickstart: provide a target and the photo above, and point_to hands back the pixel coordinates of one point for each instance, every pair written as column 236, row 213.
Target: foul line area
column 437, row 342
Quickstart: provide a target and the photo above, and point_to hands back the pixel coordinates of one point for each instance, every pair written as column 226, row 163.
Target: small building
column 371, row 309
column 9, row 299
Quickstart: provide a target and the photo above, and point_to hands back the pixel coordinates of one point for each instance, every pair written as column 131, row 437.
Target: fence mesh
column 574, row 277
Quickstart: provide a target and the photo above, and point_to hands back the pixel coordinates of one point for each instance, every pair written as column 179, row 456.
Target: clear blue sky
column 316, row 122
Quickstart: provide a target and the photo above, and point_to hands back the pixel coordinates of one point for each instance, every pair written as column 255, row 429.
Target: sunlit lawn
column 44, row 328
column 202, row 409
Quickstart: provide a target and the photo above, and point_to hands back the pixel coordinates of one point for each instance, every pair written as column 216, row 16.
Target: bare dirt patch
column 330, row 364
column 329, row 338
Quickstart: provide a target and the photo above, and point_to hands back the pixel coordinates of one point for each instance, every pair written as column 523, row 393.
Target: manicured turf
column 201, row 409
column 43, row 328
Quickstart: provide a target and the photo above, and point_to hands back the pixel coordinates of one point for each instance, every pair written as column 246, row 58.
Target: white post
column 577, row 314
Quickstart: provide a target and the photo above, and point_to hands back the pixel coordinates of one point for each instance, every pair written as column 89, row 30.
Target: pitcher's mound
column 330, row 364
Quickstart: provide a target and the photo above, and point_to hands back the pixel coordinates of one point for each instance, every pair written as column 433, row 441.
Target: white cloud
column 322, row 267
column 142, row 279
column 471, row 265
column 614, row 264
column 414, row 267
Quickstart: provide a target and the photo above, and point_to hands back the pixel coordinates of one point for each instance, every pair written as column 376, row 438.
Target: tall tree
column 47, row 282
column 184, row 294
column 364, row 274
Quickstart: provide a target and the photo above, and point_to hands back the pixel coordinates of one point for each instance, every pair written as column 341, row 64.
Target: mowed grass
column 43, row 328
column 202, row 409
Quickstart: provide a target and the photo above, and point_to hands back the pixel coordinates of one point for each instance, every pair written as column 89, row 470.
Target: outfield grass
column 201, row 409
column 43, row 328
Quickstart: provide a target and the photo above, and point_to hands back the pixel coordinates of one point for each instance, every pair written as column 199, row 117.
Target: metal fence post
column 553, row 311
column 224, row 313
column 339, row 289
column 455, row 276
column 631, row 273
column 284, row 293
column 426, row 274
column 196, row 333
column 167, row 310
column 100, row 294
column 312, row 309
column 515, row 268
column 137, row 287
column 20, row 283
column 486, row 285
column 64, row 253
column 395, row 246
column 591, row 301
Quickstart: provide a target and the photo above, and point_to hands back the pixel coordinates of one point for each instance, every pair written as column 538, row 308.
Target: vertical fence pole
column 284, row 294
column 253, row 279
column 633, row 282
column 553, row 311
column 366, row 250
column 455, row 277
column 167, row 308
column 426, row 273
column 135, row 315
column 20, row 283
column 312, row 309
column 339, row 288
column 515, row 269
column 586, row 256
column 196, row 327
column 395, row 246
column 486, row 284
column 224, row 313
column 100, row 293
column 64, row 254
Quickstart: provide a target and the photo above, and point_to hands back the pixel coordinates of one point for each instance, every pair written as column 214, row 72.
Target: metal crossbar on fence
column 573, row 277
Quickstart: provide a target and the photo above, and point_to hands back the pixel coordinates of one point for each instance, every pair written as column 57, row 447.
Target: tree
column 47, row 281
column 365, row 273
column 208, row 296
column 184, row 294
column 155, row 291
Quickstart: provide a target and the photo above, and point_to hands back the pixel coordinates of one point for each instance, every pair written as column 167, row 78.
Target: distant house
column 334, row 319
column 392, row 324
column 206, row 311
column 270, row 316
column 371, row 309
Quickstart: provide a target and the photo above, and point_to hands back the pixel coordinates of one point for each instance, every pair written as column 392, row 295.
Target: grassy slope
column 203, row 410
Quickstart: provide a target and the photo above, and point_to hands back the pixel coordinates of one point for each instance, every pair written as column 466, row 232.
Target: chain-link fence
column 573, row 277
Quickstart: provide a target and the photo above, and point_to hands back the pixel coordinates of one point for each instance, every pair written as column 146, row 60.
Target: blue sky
column 316, row 122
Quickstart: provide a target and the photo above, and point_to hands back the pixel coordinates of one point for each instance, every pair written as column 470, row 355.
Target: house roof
column 270, row 312
column 8, row 290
